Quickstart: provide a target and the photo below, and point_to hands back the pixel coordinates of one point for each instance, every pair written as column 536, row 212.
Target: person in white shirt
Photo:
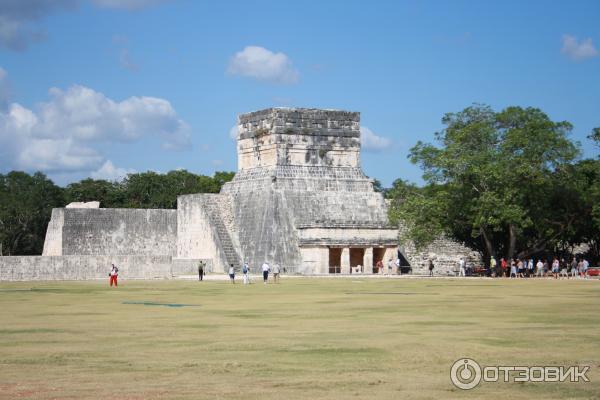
column 246, row 272
column 540, row 268
column 555, row 267
column 232, row 274
column 461, row 264
column 265, row 270
column 276, row 271
column 586, row 266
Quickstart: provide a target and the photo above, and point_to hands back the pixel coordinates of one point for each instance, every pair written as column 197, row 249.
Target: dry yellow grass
column 302, row 339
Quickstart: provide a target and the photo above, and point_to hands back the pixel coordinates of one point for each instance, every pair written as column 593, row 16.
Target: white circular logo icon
column 465, row 373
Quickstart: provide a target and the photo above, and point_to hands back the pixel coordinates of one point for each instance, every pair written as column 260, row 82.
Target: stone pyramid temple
column 299, row 199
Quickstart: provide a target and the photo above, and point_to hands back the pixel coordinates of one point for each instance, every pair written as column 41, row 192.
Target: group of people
column 526, row 268
column 266, row 269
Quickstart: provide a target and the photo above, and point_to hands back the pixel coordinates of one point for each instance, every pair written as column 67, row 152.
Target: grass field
column 303, row 339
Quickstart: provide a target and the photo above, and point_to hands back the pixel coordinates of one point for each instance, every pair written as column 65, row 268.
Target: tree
column 26, row 202
column 486, row 182
column 595, row 136
column 109, row 194
column 153, row 190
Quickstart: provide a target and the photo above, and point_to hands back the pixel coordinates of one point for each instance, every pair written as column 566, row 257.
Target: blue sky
column 101, row 87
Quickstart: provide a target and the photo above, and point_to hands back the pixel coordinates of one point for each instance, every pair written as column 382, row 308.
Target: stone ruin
column 299, row 199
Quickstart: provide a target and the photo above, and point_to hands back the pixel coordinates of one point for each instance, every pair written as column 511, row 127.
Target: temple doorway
column 335, row 260
column 356, row 260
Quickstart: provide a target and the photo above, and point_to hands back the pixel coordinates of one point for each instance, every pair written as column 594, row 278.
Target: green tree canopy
column 26, row 202
column 494, row 181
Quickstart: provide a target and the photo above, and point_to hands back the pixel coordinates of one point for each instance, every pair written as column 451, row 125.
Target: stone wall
column 81, row 267
column 111, row 231
column 54, row 233
column 284, row 136
column 203, row 230
column 445, row 254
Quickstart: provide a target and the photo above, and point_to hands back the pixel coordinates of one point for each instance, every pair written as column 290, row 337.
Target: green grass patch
column 302, row 339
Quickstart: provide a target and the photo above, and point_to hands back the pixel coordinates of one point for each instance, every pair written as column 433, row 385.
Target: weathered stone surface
column 205, row 229
column 82, row 267
column 111, row 231
column 445, row 254
column 299, row 185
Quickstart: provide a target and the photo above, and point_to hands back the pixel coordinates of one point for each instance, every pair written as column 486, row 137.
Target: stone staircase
column 218, row 209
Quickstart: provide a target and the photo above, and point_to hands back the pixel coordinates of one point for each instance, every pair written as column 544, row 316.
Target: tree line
column 509, row 183
column 26, row 201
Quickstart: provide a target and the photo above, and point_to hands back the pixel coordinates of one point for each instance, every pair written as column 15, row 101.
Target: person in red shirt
column 503, row 265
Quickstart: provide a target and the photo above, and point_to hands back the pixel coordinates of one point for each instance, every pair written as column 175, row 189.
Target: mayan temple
column 299, row 199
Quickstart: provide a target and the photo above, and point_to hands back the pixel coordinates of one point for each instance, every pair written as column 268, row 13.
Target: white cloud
column 371, row 142
column 217, row 163
column 128, row 4
column 86, row 115
column 576, row 50
column 109, row 172
column 61, row 135
column 262, row 64
column 233, row 132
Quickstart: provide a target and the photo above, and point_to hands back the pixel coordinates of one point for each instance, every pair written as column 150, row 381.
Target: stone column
column 345, row 261
column 368, row 261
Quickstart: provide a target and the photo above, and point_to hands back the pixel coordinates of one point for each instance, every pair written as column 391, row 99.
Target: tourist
column 246, row 272
column 431, row 267
column 520, row 268
column 531, row 266
column 574, row 272
column 504, row 266
column 232, row 274
column 201, row 270
column 390, row 266
column 540, row 268
column 114, row 274
column 563, row 268
column 461, row 266
column 545, row 267
column 492, row 266
column 276, row 273
column 526, row 267
column 555, row 267
column 379, row 267
column 265, row 270
column 513, row 268
column 580, row 267
column 586, row 266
